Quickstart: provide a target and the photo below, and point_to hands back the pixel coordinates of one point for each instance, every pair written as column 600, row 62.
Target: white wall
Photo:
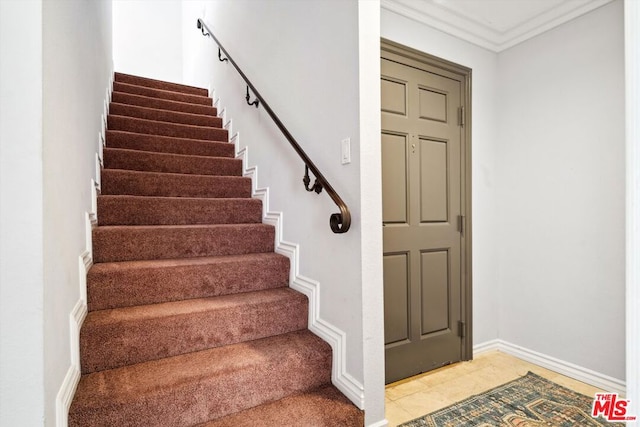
column 22, row 397
column 483, row 156
column 53, row 83
column 76, row 73
column 561, row 179
column 308, row 71
column 147, row 38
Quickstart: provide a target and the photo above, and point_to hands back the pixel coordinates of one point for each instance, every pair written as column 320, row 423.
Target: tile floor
column 419, row 395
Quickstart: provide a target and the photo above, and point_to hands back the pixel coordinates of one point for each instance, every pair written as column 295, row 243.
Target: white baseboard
column 76, row 318
column 72, row 378
column 65, row 396
column 485, row 347
column 344, row 381
column 565, row 368
column 382, row 423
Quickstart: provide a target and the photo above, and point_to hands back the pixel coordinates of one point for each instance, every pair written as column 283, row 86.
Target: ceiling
column 492, row 24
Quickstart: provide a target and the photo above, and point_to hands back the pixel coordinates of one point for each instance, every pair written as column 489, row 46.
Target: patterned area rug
column 529, row 401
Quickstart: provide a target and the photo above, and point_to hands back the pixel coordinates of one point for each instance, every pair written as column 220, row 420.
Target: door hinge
column 462, row 329
column 461, row 116
column 461, row 224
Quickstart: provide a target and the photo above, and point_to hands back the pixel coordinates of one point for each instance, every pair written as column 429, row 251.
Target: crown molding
column 435, row 15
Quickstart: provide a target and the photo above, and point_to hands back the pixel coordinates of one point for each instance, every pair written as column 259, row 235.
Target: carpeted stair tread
column 126, row 336
column 143, row 210
column 166, row 144
column 151, row 127
column 164, row 115
column 163, row 104
column 136, row 183
column 129, row 283
column 159, row 84
column 322, row 407
column 140, row 242
column 197, row 387
column 161, row 94
column 150, row 161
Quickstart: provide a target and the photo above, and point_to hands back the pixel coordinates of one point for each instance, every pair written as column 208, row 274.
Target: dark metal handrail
column 339, row 222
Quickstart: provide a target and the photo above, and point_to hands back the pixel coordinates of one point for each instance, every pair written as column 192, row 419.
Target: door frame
column 412, row 57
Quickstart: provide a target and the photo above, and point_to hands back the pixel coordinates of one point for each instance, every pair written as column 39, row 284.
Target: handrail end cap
column 338, row 225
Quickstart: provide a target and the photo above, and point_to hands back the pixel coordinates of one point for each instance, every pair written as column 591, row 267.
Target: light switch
column 346, row 151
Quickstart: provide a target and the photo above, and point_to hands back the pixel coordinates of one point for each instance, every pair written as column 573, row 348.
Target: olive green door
column 422, row 191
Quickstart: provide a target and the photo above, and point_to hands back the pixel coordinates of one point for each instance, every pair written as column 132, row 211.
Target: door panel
column 434, row 191
column 435, row 291
column 394, row 178
column 394, row 98
column 422, row 199
column 396, row 309
column 433, row 105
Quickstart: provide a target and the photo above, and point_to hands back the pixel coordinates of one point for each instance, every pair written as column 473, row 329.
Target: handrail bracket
column 317, row 186
column 255, row 102
column 201, row 27
column 220, row 56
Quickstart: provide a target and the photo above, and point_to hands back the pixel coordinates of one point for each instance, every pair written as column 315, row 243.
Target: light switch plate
column 346, row 151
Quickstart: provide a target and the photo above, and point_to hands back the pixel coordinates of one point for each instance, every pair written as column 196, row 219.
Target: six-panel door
column 421, row 174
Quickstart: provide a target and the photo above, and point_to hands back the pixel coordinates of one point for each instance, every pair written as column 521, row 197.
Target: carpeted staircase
column 191, row 321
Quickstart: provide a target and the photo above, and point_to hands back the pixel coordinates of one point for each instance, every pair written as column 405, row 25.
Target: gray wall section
column 632, row 93
column 561, row 167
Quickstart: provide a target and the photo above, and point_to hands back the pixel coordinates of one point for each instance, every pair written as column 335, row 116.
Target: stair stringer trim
column 67, row 389
column 335, row 337
column 76, row 318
